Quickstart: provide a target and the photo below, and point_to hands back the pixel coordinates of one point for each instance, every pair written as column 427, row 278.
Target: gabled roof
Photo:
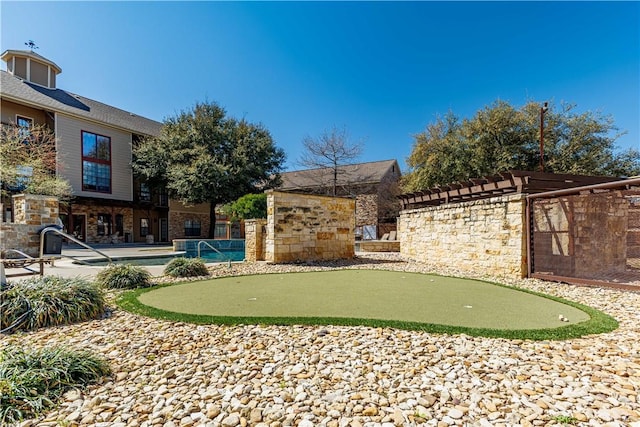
column 356, row 174
column 17, row 90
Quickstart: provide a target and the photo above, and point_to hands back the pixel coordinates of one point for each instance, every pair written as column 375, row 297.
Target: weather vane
column 32, row 45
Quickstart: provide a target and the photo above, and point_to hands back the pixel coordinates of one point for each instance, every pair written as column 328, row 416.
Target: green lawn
column 372, row 298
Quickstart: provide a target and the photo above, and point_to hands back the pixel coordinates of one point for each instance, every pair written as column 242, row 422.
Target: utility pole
column 543, row 110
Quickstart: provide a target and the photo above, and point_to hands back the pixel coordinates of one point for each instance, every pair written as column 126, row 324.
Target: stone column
column 31, row 213
column 35, row 210
column 255, row 239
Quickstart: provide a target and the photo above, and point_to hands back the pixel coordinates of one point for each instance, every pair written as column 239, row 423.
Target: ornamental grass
column 123, row 276
column 49, row 301
column 186, row 267
column 31, row 381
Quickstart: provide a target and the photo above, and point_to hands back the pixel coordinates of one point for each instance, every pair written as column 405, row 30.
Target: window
column 96, row 162
column 120, row 224
column 145, row 192
column 104, row 224
column 144, row 227
column 220, row 232
column 24, row 124
column 192, row 227
column 163, row 198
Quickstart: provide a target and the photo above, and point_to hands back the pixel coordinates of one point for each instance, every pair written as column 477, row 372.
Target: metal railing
column 71, row 238
column 214, row 249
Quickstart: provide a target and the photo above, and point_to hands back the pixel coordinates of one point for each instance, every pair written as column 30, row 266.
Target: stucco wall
column 483, row 236
column 303, row 227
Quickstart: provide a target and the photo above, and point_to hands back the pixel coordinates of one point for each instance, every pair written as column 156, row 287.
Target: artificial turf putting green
column 366, row 294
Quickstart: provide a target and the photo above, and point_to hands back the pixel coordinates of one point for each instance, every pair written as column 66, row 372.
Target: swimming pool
column 232, row 252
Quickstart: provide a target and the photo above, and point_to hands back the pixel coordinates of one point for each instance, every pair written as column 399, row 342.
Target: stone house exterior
column 373, row 185
column 93, row 151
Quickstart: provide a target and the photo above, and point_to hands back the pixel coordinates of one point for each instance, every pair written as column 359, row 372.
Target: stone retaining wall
column 31, row 213
column 479, row 236
column 379, row 246
column 303, row 227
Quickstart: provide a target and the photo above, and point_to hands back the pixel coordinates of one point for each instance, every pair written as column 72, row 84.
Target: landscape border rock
column 172, row 373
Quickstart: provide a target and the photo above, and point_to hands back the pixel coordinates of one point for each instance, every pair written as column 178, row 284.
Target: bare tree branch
column 328, row 152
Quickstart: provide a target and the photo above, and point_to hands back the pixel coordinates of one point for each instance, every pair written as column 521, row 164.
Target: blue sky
column 383, row 70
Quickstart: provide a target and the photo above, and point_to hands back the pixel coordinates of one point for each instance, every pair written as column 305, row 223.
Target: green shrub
column 124, row 276
column 32, row 380
column 50, row 301
column 186, row 267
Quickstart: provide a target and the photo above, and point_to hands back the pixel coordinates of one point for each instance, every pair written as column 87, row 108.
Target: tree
column 500, row 137
column 203, row 156
column 330, row 150
column 28, row 162
column 247, row 207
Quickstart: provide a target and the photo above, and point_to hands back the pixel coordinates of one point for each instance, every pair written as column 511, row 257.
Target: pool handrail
column 55, row 229
column 214, row 249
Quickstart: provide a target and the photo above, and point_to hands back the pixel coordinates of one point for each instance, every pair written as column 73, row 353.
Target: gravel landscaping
column 178, row 374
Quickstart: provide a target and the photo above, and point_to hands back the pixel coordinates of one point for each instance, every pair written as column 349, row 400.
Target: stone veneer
column 91, row 213
column 379, row 245
column 255, row 239
column 303, row 227
column 484, row 235
column 31, row 213
column 177, row 220
column 581, row 235
column 366, row 209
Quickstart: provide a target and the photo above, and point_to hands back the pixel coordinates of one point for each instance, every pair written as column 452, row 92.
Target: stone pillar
column 305, row 227
column 35, row 210
column 31, row 213
column 255, row 239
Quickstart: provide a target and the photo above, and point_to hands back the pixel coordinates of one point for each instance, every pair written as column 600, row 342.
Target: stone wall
column 303, row 227
column 633, row 224
column 180, row 212
column 581, row 235
column 483, row 236
column 379, row 246
column 366, row 209
column 255, row 239
column 31, row 213
column 35, row 210
column 91, row 213
column 177, row 221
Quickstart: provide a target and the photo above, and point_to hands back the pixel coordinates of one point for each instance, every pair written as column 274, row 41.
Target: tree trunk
column 212, row 219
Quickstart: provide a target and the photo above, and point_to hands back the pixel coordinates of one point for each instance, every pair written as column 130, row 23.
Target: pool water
column 211, row 256
column 209, row 250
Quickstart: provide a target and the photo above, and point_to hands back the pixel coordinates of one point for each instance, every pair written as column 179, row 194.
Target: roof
column 511, row 182
column 359, row 173
column 9, row 53
column 15, row 89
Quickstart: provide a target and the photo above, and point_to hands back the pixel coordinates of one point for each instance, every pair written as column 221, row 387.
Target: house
column 374, row 185
column 93, row 151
